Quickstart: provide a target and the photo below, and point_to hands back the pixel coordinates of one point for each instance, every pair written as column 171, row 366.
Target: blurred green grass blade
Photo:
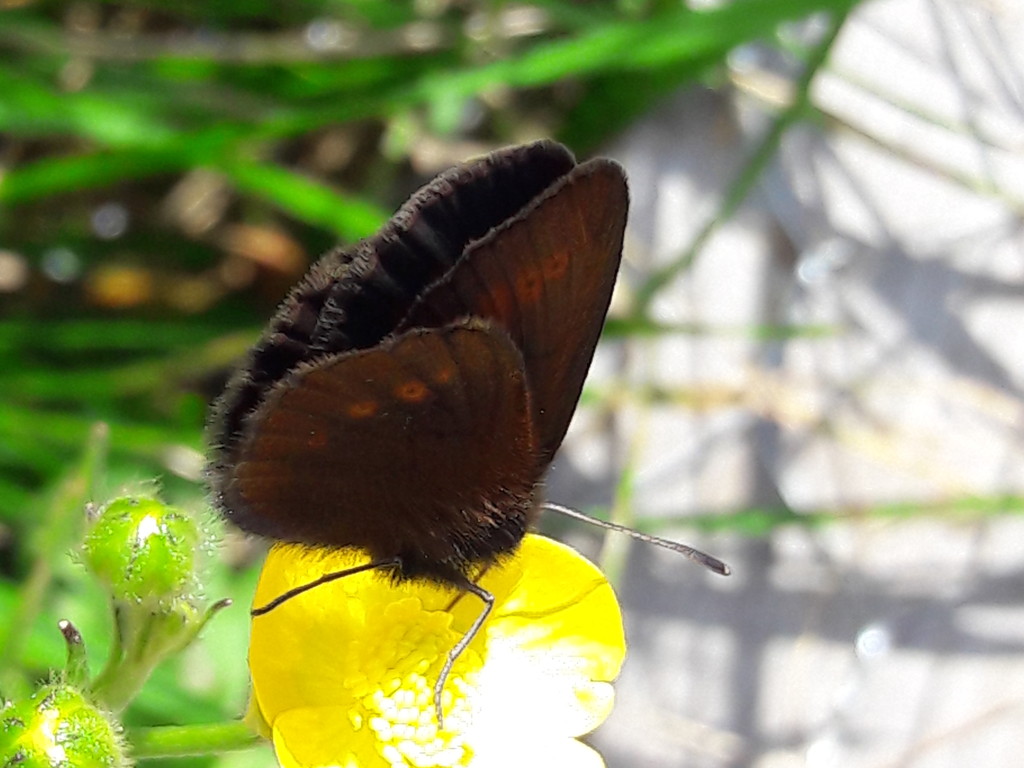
column 751, row 171
column 613, row 101
column 64, row 520
column 24, row 455
column 143, row 114
column 91, row 385
column 673, row 37
column 14, row 499
column 761, row 521
column 56, row 175
column 211, row 12
column 306, row 199
column 122, row 335
column 30, row 108
column 615, row 548
column 97, row 385
column 581, row 16
column 640, row 326
column 191, row 105
column 129, row 117
column 67, row 516
column 65, row 430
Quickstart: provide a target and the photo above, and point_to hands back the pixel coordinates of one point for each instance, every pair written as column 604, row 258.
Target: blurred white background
column 889, row 236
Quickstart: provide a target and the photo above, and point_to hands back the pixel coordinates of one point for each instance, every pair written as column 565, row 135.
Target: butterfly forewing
column 546, row 276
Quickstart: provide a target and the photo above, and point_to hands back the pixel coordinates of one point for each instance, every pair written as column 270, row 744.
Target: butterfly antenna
column 284, row 597
column 459, row 647
column 701, row 558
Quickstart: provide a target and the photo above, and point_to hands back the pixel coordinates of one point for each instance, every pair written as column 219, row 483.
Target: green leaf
column 305, row 198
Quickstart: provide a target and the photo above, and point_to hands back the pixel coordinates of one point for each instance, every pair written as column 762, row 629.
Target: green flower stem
column 142, row 640
column 146, row 639
column 182, row 740
column 125, row 671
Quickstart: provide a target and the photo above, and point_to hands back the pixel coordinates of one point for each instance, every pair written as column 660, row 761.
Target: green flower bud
column 58, row 728
column 143, row 550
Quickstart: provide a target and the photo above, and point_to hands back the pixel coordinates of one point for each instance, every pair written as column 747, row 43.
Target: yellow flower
column 343, row 675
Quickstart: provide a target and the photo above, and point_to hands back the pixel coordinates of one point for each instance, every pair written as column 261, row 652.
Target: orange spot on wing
column 529, row 286
column 412, row 391
column 444, row 375
column 556, row 265
column 362, row 410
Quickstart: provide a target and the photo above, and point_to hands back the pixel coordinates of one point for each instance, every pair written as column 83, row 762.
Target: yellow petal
column 344, row 673
column 562, row 604
column 319, row 737
column 554, row 643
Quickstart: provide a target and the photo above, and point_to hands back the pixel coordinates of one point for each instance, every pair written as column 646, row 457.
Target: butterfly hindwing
column 422, row 447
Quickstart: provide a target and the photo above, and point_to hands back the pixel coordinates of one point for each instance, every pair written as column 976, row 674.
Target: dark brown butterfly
column 410, row 393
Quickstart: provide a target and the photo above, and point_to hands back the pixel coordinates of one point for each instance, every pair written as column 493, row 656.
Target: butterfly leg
column 393, row 562
column 459, row 647
column 455, row 600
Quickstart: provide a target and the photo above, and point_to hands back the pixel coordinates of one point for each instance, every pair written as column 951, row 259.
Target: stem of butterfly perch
column 751, row 171
column 184, row 740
